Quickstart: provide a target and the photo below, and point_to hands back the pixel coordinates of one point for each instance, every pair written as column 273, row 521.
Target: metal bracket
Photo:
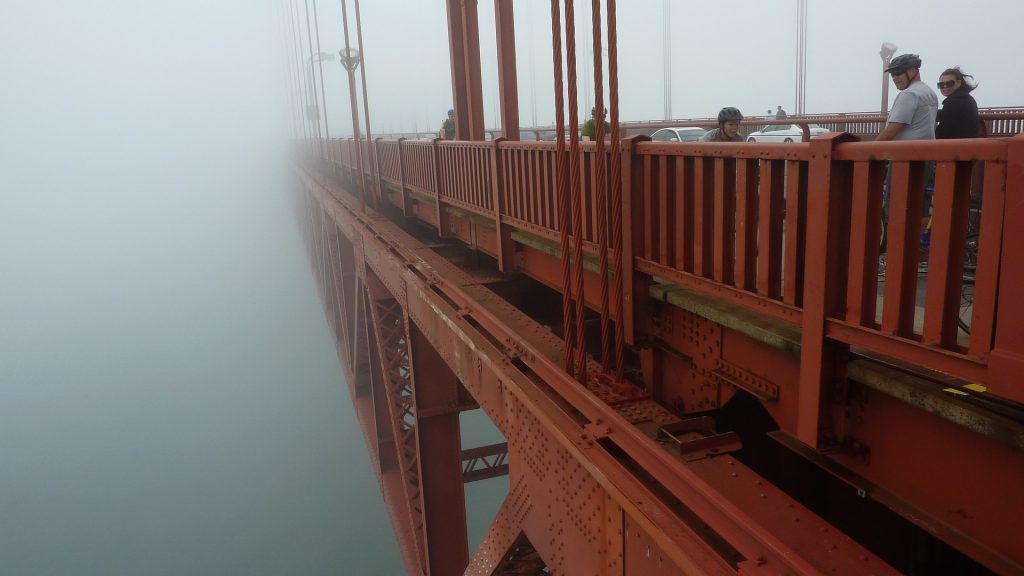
column 733, row 375
column 695, row 438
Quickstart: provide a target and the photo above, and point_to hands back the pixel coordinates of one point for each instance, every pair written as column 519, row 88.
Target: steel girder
column 425, row 426
column 390, row 332
column 485, row 462
column 591, row 489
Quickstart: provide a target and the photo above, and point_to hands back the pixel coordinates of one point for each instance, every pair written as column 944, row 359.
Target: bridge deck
column 750, row 271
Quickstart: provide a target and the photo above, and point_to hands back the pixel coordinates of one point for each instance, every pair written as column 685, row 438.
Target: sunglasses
column 944, row 85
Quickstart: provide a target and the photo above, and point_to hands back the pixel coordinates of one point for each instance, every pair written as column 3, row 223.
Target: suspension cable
column 563, row 193
column 575, row 191
column 600, row 193
column 296, row 51
column 371, row 147
column 312, row 80
column 323, row 93
column 287, row 70
column 616, row 185
column 355, row 107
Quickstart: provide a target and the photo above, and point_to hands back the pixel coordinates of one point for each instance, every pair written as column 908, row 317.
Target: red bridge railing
column 758, row 224
column 999, row 122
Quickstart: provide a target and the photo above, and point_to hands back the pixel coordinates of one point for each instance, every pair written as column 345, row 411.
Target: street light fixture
column 350, row 58
column 886, row 52
column 312, row 110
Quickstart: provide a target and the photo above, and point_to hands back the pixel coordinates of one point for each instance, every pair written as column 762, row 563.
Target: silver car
column 784, row 133
column 678, row 135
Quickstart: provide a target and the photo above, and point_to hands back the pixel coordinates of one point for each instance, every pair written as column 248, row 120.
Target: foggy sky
column 170, row 398
column 724, row 53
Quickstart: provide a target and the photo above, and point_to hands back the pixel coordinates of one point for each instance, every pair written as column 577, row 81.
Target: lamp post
column 312, row 109
column 666, row 48
column 886, row 52
column 350, row 59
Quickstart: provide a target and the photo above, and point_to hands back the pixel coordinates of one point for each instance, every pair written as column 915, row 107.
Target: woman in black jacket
column 958, row 117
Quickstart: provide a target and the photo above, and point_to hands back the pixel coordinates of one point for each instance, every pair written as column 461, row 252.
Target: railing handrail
column 462, row 174
column 987, row 114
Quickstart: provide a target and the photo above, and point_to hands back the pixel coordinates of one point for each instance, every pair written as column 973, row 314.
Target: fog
column 724, row 53
column 170, row 400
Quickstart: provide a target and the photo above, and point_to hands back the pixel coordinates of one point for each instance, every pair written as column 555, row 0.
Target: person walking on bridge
column 913, row 113
column 448, row 126
column 729, row 119
column 780, row 114
column 912, row 118
column 589, row 130
column 959, row 115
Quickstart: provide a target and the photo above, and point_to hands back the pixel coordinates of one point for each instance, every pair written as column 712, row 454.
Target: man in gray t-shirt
column 913, row 113
column 912, row 118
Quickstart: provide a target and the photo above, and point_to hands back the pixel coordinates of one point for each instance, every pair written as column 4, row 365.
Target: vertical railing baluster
column 828, row 200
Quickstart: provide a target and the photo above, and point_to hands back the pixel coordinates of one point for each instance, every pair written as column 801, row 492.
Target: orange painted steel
column 612, row 520
column 788, row 233
column 686, row 191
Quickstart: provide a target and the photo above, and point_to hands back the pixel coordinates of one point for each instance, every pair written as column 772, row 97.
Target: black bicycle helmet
column 729, row 114
column 902, row 63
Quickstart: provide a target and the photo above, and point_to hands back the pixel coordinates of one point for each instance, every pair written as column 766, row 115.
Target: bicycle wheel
column 971, row 255
column 963, row 320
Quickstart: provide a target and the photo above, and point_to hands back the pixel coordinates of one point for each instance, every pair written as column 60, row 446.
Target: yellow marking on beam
column 977, row 387
column 955, row 391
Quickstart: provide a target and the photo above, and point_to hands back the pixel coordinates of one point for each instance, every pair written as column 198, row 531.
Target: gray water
column 170, row 399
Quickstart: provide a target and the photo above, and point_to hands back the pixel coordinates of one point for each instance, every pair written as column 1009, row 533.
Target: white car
column 784, row 133
column 678, row 135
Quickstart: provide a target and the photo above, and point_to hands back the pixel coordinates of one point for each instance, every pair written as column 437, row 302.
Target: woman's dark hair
column 956, row 72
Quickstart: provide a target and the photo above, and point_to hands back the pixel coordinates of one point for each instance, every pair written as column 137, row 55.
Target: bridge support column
column 505, row 245
column 437, row 430
column 508, row 90
column 1007, row 359
column 821, row 358
column 464, row 48
column 634, row 288
column 401, row 179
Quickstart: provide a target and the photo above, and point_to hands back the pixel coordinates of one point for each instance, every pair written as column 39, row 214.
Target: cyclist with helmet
column 728, row 127
column 913, row 113
column 912, row 118
column 448, row 126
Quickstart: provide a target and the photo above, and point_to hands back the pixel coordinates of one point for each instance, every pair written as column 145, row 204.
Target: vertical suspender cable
column 563, row 193
column 600, row 192
column 287, row 70
column 370, row 146
column 294, row 74
column 616, row 185
column 349, row 66
column 312, row 81
column 285, row 45
column 574, row 189
column 296, row 51
column 323, row 93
